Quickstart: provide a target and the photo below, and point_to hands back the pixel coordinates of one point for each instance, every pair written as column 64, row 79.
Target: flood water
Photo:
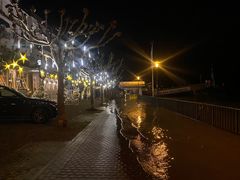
column 170, row 146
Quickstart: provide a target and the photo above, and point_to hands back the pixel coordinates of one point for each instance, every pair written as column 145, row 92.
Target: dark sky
column 208, row 29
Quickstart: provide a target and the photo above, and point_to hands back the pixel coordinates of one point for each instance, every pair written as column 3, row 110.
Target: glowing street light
column 152, row 69
column 157, row 64
column 138, row 78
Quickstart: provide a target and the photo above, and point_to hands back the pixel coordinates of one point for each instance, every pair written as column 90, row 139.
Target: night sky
column 208, row 30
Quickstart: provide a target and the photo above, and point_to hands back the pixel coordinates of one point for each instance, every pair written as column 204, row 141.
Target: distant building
column 132, row 86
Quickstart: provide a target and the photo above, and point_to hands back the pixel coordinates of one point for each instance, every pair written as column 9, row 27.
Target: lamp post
column 138, row 79
column 152, row 65
column 156, row 65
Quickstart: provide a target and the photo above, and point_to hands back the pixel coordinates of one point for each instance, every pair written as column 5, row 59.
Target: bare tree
column 110, row 70
column 58, row 42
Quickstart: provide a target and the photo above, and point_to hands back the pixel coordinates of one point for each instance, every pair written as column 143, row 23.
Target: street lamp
column 156, row 64
column 138, row 79
column 152, row 66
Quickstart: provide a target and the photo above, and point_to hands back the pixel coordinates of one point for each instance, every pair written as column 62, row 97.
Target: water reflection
column 148, row 141
column 136, row 116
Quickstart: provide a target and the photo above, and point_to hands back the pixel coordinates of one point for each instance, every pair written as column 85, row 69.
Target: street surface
column 170, row 146
column 143, row 138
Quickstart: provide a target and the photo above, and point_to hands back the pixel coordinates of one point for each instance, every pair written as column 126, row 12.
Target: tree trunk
column 62, row 121
column 102, row 95
column 92, row 93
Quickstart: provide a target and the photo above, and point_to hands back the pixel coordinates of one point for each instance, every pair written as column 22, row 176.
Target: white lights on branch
column 73, row 42
column 39, row 62
column 31, row 46
column 82, row 62
column 46, row 65
column 84, row 48
column 89, row 55
column 65, row 45
column 73, row 64
column 19, row 44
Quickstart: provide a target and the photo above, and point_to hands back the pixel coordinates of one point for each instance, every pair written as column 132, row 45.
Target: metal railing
column 223, row 117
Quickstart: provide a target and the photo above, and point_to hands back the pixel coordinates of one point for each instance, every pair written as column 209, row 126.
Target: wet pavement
column 97, row 152
column 141, row 136
column 170, row 146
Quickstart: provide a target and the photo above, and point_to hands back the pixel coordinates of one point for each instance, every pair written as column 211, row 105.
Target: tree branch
column 118, row 34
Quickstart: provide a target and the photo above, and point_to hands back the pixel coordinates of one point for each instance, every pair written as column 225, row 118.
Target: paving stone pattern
column 95, row 153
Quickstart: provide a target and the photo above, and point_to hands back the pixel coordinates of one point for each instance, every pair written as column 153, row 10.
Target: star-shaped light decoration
column 23, row 58
column 55, row 76
column 51, row 76
column 20, row 70
column 42, row 74
column 69, row 77
column 14, row 64
column 7, row 66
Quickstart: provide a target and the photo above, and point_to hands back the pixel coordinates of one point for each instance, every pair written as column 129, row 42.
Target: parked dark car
column 15, row 105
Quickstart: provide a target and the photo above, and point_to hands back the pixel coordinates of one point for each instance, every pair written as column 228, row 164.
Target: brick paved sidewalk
column 97, row 152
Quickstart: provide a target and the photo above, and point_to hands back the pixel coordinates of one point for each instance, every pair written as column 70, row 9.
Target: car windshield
column 18, row 92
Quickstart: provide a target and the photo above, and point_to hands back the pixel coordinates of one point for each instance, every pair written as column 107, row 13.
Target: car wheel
column 39, row 115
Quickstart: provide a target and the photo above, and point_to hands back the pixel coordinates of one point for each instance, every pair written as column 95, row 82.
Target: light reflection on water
column 137, row 116
column 149, row 144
